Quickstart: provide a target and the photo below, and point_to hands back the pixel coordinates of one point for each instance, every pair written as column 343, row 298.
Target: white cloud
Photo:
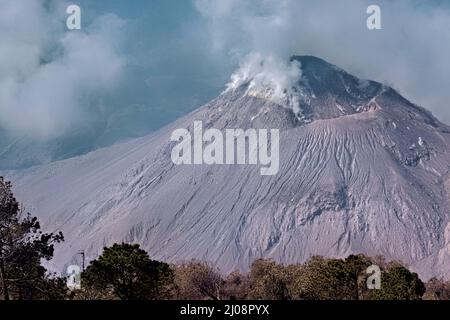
column 48, row 74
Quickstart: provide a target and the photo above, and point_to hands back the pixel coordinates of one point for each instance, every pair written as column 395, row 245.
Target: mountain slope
column 361, row 170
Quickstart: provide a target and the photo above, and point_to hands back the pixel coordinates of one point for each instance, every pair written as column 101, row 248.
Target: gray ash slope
column 362, row 170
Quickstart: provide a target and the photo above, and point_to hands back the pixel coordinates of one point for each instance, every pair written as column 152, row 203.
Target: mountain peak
column 326, row 81
column 309, row 63
column 310, row 89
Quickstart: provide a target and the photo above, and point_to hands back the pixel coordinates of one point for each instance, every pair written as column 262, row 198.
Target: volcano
column 361, row 170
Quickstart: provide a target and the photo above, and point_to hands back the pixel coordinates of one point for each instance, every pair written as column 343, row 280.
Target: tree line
column 126, row 272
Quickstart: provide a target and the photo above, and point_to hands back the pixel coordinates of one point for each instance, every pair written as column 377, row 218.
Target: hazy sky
column 146, row 62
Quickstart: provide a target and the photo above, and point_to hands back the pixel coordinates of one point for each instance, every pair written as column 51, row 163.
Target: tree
column 321, row 279
column 236, row 286
column 128, row 272
column 356, row 266
column 294, row 281
column 197, row 280
column 268, row 281
column 22, row 247
column 329, row 279
column 437, row 289
column 398, row 283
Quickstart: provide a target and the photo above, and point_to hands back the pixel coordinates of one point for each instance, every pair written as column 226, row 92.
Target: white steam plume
column 268, row 78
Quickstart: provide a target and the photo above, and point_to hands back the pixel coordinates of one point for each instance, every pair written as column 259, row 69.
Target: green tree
column 329, row 279
column 128, row 272
column 398, row 283
column 323, row 279
column 22, row 247
column 356, row 266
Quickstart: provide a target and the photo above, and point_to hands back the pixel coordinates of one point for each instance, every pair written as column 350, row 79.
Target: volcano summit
column 362, row 170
